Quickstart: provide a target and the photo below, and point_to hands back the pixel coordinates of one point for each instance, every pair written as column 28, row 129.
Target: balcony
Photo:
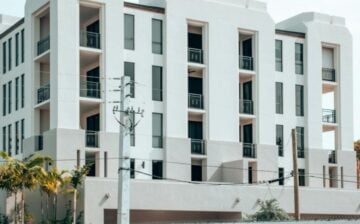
column 39, row 143
column 332, row 157
column 90, row 39
column 249, row 150
column 197, row 146
column 43, row 45
column 92, row 139
column 328, row 74
column 246, row 63
column 329, row 116
column 195, row 101
column 195, row 55
column 43, row 93
column 90, row 89
column 246, row 107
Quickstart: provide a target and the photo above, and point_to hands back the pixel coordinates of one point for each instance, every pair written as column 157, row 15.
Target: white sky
column 280, row 10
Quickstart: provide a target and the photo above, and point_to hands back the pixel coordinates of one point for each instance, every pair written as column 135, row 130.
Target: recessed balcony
column 197, row 146
column 43, row 45
column 43, row 93
column 92, row 139
column 249, row 150
column 195, row 55
column 246, row 107
column 90, row 39
column 90, row 89
column 329, row 116
column 332, row 157
column 195, row 101
column 246, row 63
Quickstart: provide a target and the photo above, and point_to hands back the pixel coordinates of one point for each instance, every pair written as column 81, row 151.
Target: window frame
column 279, row 60
column 161, row 135
column 299, row 100
column 279, row 98
column 129, row 38
column 299, row 59
column 157, row 93
column 156, row 43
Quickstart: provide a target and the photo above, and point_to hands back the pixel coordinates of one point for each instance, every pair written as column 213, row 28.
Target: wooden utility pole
column 296, row 176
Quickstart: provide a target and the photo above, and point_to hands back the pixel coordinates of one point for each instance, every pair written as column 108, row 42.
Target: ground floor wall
column 163, row 200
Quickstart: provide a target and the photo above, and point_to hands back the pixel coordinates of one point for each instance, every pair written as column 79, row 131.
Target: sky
column 280, row 10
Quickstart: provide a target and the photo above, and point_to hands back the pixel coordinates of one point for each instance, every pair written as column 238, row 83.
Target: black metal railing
column 332, row 157
column 328, row 74
column 246, row 107
column 43, row 93
column 195, row 101
column 246, row 63
column 90, row 89
column 249, row 150
column 195, row 55
column 39, row 143
column 90, row 39
column 43, row 45
column 92, row 139
column 198, row 146
column 329, row 116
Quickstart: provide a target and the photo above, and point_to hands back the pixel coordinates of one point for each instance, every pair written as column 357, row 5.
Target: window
column 17, row 93
column 22, row 134
column 157, row 38
column 22, row 46
column 9, row 96
column 280, row 139
column 300, row 142
column 129, row 31
column 278, row 56
column 157, row 83
column 78, row 158
column 132, row 130
column 4, row 138
column 299, row 59
column 4, row 99
column 281, row 176
column 301, row 177
column 22, row 91
column 130, row 71
column 4, row 57
column 9, row 140
column 17, row 49
column 132, row 168
column 157, row 132
column 299, row 100
column 105, row 164
column 279, row 98
column 17, row 141
column 10, row 56
column 157, row 170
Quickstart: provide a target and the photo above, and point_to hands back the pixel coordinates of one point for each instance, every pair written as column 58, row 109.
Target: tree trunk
column 22, row 206
column 74, row 206
column 15, row 209
column 42, row 206
column 54, row 208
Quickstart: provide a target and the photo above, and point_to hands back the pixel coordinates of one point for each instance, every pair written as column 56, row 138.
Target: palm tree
column 76, row 180
column 51, row 184
column 269, row 211
column 10, row 179
column 32, row 172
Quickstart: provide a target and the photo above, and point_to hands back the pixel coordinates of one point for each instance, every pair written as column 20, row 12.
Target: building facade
column 222, row 86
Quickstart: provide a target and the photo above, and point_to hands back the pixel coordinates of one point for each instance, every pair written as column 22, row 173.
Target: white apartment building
column 221, row 85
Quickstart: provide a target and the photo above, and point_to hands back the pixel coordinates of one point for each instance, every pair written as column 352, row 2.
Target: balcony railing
column 90, row 89
column 39, row 143
column 43, row 93
column 329, row 116
column 198, row 146
column 328, row 74
column 43, row 45
column 332, row 157
column 92, row 139
column 246, row 107
column 249, row 150
column 90, row 39
column 195, row 101
column 195, row 55
column 246, row 63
